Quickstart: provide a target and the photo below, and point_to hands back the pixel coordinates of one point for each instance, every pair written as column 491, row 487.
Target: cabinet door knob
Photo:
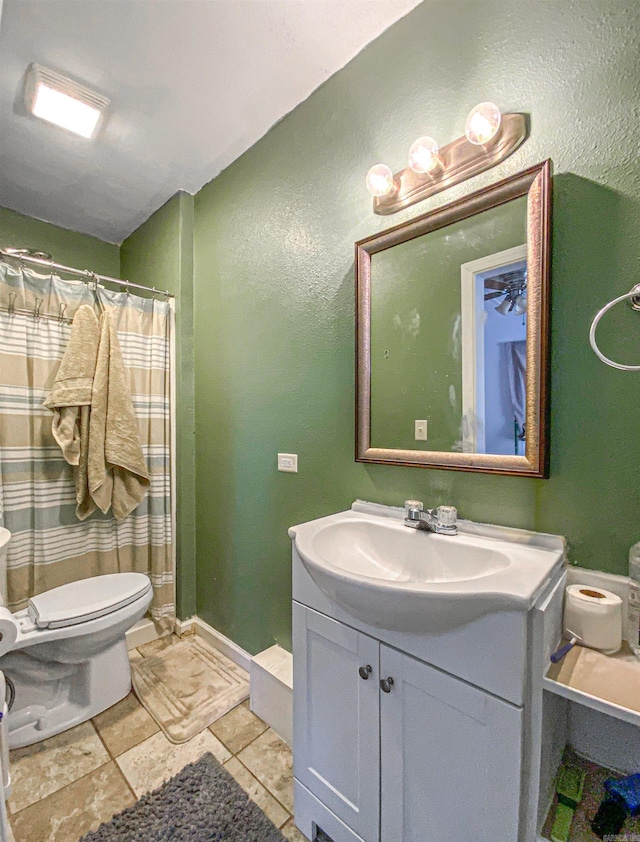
column 365, row 672
column 386, row 684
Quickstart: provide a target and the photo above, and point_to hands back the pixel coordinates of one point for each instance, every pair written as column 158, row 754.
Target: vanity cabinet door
column 451, row 757
column 336, row 733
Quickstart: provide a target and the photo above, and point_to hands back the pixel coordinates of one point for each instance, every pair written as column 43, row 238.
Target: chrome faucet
column 441, row 520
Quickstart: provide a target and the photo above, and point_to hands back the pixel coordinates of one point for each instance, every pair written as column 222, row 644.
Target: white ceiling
column 192, row 83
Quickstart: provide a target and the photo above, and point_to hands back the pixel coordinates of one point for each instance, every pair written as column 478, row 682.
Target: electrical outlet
column 288, row 462
column 421, row 430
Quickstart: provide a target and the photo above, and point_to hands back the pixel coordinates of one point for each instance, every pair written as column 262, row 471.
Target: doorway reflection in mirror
column 494, row 342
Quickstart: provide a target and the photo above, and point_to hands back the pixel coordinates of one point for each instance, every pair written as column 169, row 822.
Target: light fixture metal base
column 461, row 160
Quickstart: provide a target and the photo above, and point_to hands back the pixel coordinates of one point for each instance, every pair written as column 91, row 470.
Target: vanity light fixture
column 63, row 102
column 489, row 138
column 482, row 123
column 380, row 180
column 424, row 157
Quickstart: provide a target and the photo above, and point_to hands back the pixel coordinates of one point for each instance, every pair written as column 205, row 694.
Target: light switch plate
column 288, row 462
column 420, row 430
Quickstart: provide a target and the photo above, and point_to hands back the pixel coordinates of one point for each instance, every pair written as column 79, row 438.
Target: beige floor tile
column 134, row 656
column 155, row 646
column 125, row 725
column 269, row 759
column 291, row 832
column 155, row 760
column 69, row 813
column 238, row 728
column 42, row 768
column 256, row 792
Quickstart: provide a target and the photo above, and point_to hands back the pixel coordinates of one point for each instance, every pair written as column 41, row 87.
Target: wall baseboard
column 272, row 690
column 235, row 653
column 185, row 627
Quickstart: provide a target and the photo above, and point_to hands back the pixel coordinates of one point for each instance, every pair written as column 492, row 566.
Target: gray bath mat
column 188, row 686
column 202, row 803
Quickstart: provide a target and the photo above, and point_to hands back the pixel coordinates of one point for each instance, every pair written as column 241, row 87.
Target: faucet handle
column 447, row 517
column 413, row 504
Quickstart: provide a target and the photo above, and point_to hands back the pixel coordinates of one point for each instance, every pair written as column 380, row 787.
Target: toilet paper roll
column 8, row 631
column 594, row 616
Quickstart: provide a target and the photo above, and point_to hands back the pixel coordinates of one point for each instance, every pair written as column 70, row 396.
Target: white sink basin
column 390, row 576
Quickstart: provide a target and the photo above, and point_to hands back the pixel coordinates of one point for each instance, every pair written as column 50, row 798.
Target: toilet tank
column 5, row 537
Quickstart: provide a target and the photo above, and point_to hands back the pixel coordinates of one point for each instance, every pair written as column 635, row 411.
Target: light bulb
column 63, row 110
column 505, row 306
column 380, row 180
column 521, row 304
column 423, row 155
column 482, row 123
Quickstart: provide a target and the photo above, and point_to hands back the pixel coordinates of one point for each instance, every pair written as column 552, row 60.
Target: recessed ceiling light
column 63, row 102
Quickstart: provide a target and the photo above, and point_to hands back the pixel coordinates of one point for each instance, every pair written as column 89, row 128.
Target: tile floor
column 67, row 785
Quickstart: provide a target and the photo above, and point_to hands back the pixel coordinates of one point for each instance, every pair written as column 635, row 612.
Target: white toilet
column 65, row 655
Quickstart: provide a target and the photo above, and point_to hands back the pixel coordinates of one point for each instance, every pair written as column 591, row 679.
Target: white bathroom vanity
column 418, row 678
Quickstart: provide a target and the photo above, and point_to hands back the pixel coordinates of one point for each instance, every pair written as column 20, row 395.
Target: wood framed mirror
column 452, row 334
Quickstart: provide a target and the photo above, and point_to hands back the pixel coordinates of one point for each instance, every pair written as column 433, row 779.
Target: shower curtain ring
column 12, row 303
column 96, row 292
column 36, row 312
column 62, row 307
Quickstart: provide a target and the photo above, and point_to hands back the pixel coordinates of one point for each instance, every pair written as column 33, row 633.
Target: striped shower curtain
column 50, row 546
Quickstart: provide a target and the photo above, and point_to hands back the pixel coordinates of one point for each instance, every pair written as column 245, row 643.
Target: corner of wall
column 186, row 406
column 160, row 253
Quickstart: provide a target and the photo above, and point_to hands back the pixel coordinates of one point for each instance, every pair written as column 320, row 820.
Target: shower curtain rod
column 21, row 257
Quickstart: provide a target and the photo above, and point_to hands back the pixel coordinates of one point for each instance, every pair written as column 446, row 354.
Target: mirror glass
column 452, row 317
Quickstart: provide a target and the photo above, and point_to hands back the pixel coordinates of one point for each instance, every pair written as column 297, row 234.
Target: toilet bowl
column 65, row 654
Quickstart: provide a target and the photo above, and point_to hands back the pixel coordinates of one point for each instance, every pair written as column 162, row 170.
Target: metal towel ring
column 634, row 295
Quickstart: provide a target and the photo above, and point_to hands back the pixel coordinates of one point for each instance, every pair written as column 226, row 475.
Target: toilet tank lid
column 87, row 599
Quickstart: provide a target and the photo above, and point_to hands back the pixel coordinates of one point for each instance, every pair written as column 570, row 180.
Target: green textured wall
column 160, row 253
column 274, row 310
column 68, row 247
column 416, row 368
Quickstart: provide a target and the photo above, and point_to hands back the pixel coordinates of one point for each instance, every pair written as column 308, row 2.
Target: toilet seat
column 66, row 653
column 87, row 599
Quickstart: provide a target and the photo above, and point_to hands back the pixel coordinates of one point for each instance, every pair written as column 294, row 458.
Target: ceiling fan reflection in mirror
column 513, row 286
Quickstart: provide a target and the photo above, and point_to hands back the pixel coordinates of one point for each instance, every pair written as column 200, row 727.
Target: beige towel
column 94, row 422
column 117, row 473
column 70, row 401
column 73, row 384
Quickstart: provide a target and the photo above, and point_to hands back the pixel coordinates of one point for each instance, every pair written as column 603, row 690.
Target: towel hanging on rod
column 634, row 295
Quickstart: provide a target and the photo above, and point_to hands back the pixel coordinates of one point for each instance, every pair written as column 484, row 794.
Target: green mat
column 569, row 787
